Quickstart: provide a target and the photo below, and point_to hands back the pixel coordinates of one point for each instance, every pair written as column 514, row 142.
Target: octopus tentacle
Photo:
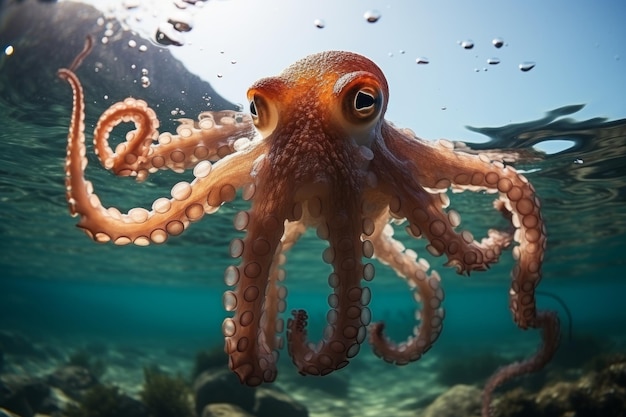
column 349, row 315
column 250, row 334
column 276, row 293
column 548, row 322
column 427, row 290
column 211, row 187
column 516, row 193
column 275, row 298
column 270, row 324
column 78, row 59
column 213, row 136
column 441, row 167
column 423, row 208
column 424, row 212
column 130, row 155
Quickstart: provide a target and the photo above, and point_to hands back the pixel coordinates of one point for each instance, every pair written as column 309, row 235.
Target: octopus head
column 338, row 94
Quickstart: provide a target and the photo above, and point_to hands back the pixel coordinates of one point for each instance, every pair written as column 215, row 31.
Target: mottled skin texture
column 324, row 158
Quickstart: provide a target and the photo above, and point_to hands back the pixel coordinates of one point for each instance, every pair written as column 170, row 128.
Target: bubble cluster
column 498, row 43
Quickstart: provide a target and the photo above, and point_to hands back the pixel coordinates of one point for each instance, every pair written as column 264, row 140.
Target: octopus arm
column 348, row 315
column 548, row 322
column 213, row 136
column 423, row 207
column 426, row 290
column 424, row 211
column 253, row 357
column 169, row 216
column 439, row 167
column 275, row 297
column 258, row 296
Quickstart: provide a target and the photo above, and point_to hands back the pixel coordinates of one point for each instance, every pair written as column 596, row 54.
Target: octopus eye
column 253, row 110
column 364, row 101
column 264, row 112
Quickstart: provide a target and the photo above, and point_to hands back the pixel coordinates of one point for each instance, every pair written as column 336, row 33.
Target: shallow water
column 58, row 287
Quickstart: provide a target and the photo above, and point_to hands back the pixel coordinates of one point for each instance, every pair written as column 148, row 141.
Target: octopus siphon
column 316, row 152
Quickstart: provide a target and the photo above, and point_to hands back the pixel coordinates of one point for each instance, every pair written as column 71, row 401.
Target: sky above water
column 578, row 48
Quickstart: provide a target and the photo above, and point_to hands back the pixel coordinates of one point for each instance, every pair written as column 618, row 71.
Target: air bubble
column 467, row 44
column 145, row 82
column 422, row 60
column 182, row 22
column 132, row 43
column 372, row 16
column 167, row 35
column 131, row 4
column 497, row 42
column 527, row 66
column 319, row 23
column 493, row 61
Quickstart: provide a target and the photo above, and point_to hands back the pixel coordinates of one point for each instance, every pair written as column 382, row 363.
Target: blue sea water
column 57, row 285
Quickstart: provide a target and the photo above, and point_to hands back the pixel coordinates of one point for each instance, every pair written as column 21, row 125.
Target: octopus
column 315, row 151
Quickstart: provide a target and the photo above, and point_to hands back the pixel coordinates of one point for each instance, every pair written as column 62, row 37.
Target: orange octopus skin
column 326, row 158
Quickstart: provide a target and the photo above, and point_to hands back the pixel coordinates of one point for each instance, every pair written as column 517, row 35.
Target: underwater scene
column 417, row 210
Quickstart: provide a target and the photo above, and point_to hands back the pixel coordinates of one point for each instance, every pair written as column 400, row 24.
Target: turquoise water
column 57, row 284
column 50, row 266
